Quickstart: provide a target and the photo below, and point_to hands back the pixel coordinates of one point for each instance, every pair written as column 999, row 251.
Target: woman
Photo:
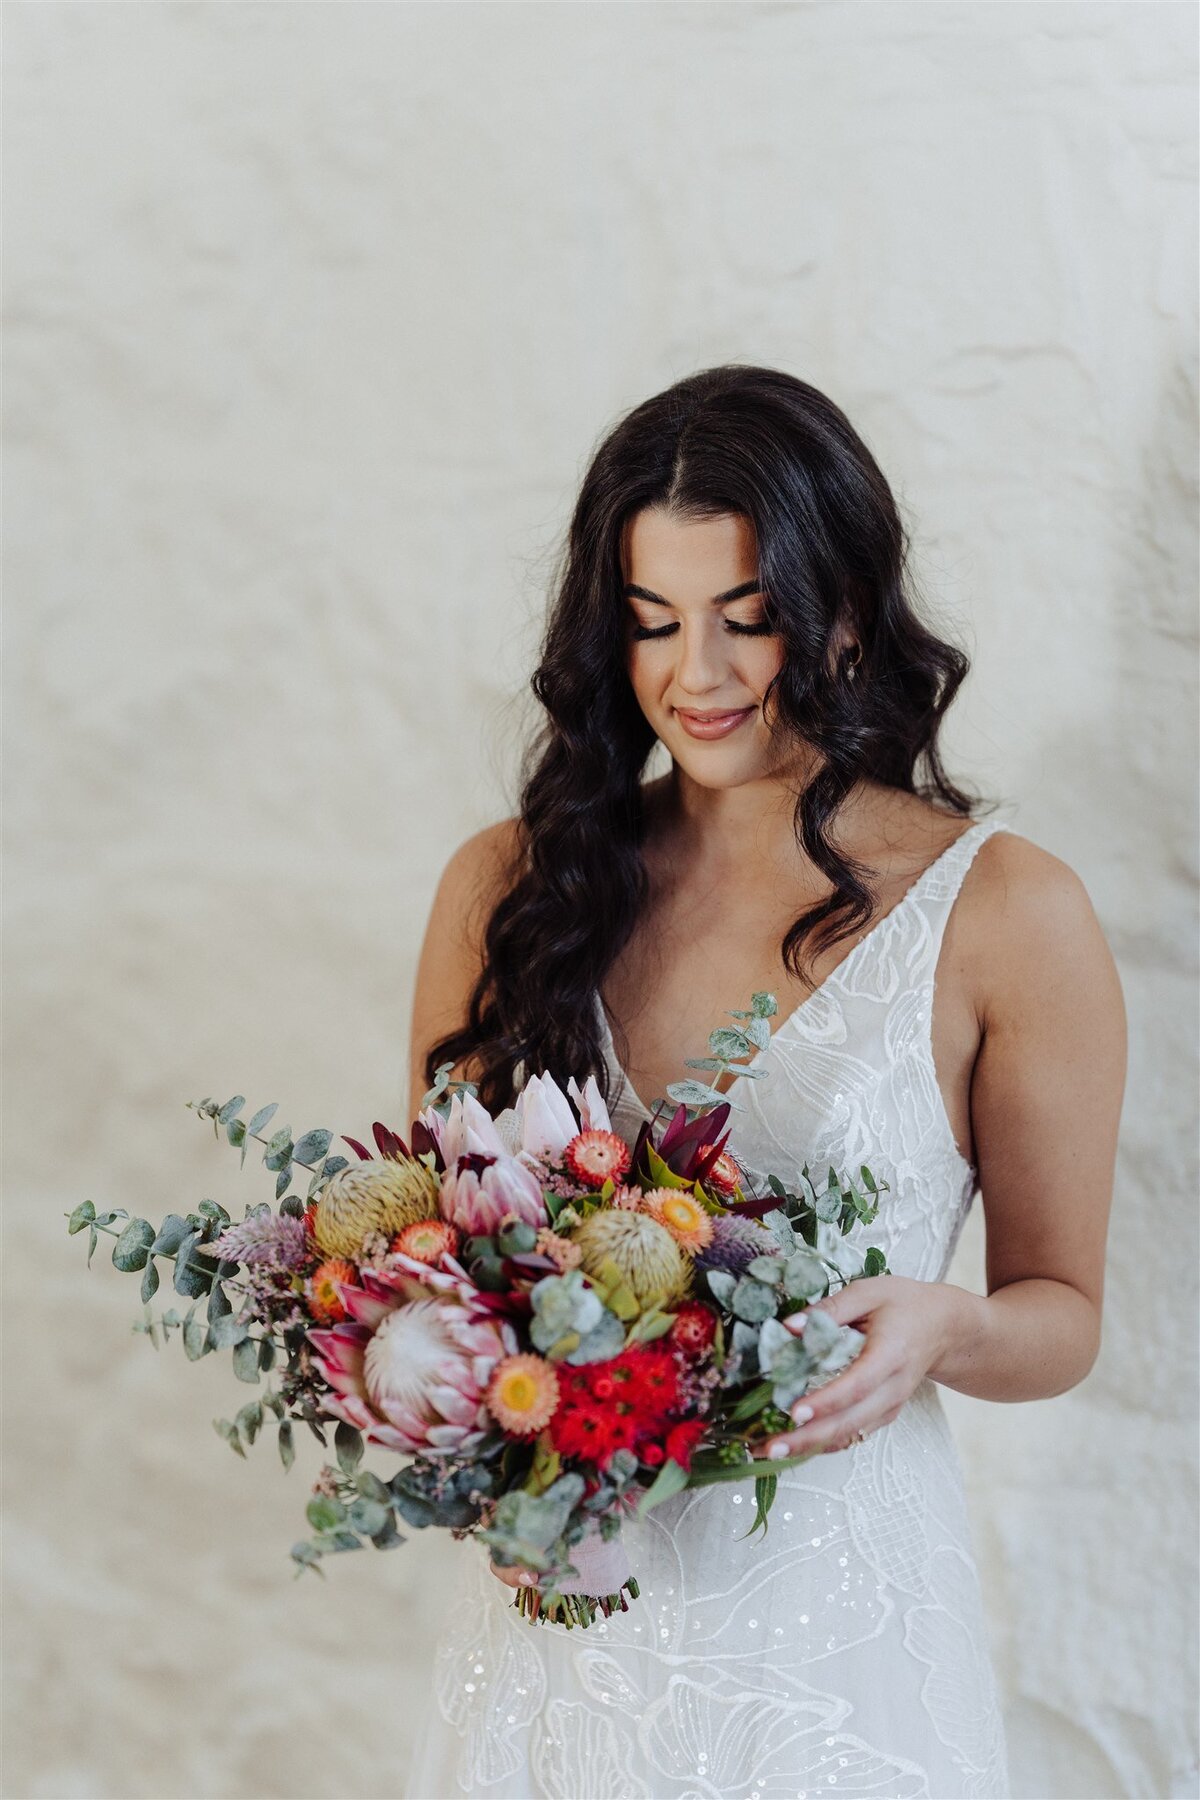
column 734, row 586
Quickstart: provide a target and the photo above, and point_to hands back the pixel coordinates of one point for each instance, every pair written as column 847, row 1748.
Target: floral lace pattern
column 844, row 1652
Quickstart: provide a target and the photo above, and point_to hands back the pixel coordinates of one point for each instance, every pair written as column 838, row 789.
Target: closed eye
column 764, row 629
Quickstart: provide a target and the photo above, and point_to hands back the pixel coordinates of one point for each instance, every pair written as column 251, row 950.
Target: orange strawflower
column 425, row 1240
column 522, row 1393
column 683, row 1216
column 323, row 1298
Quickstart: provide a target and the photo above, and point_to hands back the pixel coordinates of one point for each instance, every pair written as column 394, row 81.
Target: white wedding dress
column 846, row 1651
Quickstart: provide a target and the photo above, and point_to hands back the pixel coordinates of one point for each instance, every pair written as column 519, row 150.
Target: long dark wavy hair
column 832, row 552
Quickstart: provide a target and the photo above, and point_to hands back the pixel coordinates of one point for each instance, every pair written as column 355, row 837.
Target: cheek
column 646, row 671
column 761, row 665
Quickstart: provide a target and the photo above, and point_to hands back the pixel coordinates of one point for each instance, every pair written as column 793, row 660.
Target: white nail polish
column 801, row 1413
column 778, row 1450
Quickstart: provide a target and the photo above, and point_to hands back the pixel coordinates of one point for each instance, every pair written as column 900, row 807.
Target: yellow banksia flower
column 649, row 1259
column 522, row 1394
column 682, row 1214
column 378, row 1194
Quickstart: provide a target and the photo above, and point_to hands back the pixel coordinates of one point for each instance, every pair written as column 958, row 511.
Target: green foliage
column 728, row 1044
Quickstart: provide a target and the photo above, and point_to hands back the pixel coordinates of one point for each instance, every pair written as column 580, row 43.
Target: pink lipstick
column 713, row 725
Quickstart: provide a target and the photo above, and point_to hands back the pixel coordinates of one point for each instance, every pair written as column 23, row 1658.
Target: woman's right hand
column 513, row 1577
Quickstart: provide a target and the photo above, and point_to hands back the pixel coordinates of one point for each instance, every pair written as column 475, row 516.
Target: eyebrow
column 737, row 593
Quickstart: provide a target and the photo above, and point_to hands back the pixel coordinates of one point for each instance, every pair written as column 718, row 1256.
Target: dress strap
column 938, row 889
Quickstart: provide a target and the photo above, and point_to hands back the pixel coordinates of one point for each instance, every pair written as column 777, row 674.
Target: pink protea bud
column 478, row 1191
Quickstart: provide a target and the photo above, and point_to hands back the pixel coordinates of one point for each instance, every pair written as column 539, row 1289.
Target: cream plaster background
column 314, row 314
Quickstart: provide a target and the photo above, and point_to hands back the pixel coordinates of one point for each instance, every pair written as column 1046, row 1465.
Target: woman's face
column 694, row 587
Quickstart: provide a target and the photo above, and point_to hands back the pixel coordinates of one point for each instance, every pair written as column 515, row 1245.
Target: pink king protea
column 478, row 1191
column 410, row 1365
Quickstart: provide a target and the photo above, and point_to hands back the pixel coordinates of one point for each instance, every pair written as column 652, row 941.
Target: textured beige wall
column 314, row 313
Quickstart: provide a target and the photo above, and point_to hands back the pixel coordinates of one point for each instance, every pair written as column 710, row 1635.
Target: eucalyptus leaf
column 312, row 1146
column 170, row 1235
column 324, row 1512
column 766, row 1268
column 83, row 1215
column 228, row 1431
column 262, row 1117
column 693, row 1093
column 150, row 1280
column 752, row 1300
column 245, row 1360
column 721, row 1285
column 231, row 1108
column 227, row 1331
column 249, row 1419
column 348, row 1443
column 287, row 1451
column 369, row 1516
column 133, row 1246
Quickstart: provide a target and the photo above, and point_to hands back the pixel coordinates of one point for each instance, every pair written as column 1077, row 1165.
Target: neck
column 749, row 830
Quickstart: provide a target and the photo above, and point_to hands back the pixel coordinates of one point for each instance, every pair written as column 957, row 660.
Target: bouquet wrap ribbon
column 603, row 1565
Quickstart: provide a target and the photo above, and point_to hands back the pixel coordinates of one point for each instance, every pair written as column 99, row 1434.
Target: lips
column 717, row 724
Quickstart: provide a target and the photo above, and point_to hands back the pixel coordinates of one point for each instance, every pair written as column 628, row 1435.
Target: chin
column 721, row 771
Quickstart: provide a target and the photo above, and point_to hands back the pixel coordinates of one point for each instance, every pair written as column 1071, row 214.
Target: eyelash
column 646, row 631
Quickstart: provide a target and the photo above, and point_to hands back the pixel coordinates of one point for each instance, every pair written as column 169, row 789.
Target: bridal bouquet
column 555, row 1329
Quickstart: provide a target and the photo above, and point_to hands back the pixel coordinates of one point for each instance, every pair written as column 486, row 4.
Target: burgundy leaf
column 391, row 1147
column 423, row 1141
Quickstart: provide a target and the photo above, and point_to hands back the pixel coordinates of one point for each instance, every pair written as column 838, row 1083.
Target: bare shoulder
column 477, row 873
column 1033, row 933
column 475, row 876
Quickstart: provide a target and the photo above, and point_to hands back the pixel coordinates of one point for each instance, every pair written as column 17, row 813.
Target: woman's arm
column 451, row 955
column 1046, row 1095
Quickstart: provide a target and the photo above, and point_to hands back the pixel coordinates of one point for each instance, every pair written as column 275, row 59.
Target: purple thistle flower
column 264, row 1238
column 735, row 1242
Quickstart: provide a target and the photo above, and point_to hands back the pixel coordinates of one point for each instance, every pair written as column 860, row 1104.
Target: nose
column 702, row 660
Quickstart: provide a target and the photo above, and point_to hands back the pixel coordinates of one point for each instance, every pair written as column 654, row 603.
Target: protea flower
column 479, row 1191
column 376, row 1195
column 644, row 1251
column 410, row 1366
column 467, row 1129
column 734, row 1243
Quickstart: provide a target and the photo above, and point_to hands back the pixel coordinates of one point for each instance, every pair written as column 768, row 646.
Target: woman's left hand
column 907, row 1325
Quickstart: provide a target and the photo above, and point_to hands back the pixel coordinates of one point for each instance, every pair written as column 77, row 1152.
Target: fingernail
column 800, row 1412
column 525, row 1579
column 776, row 1451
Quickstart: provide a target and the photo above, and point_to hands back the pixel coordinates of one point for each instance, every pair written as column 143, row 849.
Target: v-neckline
column 909, row 894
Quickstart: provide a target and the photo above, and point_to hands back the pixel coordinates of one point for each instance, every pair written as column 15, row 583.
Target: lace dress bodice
column 844, row 1652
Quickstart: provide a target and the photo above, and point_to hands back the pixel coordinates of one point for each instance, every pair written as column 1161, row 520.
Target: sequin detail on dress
column 847, row 1651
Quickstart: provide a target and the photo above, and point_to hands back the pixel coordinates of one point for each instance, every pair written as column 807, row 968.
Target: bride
column 734, row 585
